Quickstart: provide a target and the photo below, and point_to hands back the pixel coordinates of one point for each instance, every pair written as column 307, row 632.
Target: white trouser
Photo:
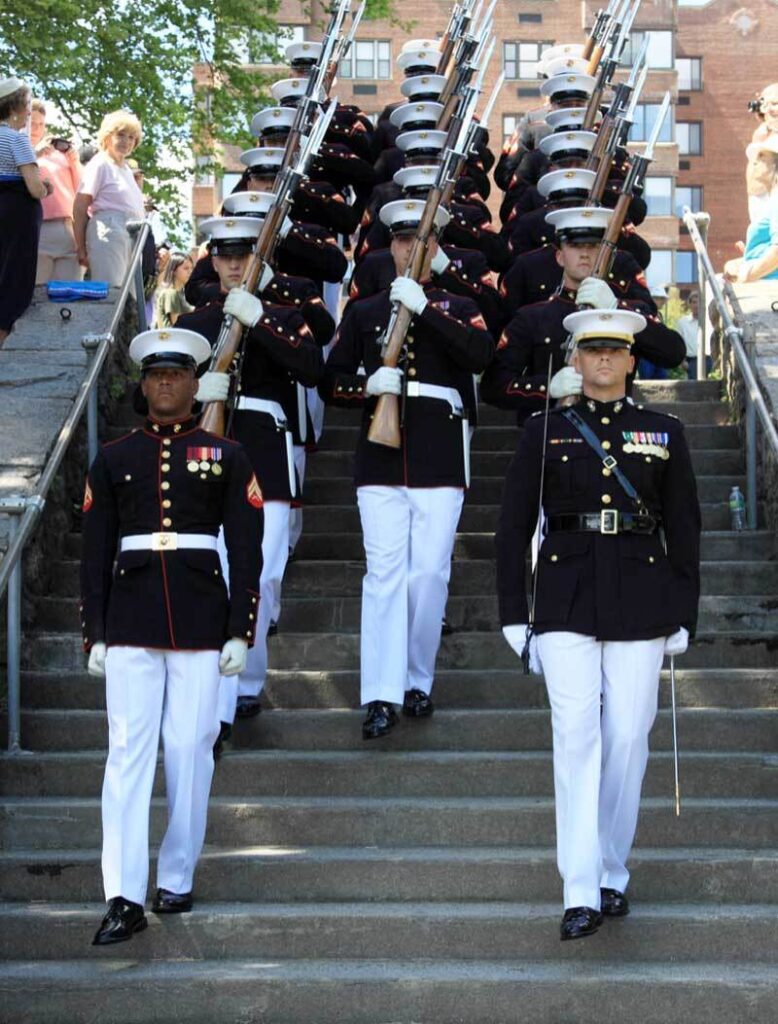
column 295, row 514
column 57, row 259
column 408, row 533
column 108, row 246
column 275, row 551
column 145, row 689
column 599, row 758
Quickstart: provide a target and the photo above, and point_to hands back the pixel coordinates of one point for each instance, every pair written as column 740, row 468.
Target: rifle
column 477, row 130
column 635, row 177
column 468, row 56
column 593, row 50
column 461, row 16
column 385, row 426
column 609, row 137
column 617, row 39
column 231, row 333
column 314, row 90
column 342, row 49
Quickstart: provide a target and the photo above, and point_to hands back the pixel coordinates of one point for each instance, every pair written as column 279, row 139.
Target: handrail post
column 134, row 228
column 702, row 220
column 90, row 344
column 14, row 647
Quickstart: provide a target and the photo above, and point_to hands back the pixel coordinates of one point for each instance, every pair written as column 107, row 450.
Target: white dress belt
column 168, row 542
column 274, row 409
column 416, row 389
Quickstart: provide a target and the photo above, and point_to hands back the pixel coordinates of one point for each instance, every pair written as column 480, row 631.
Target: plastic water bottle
column 737, row 509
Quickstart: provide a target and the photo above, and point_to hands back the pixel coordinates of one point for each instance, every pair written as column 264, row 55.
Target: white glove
column 595, row 293
column 567, row 381
column 517, row 637
column 409, row 293
column 265, row 277
column 232, row 660
column 678, row 642
column 286, row 227
column 439, row 262
column 243, row 306
column 213, row 387
column 96, row 666
column 387, row 380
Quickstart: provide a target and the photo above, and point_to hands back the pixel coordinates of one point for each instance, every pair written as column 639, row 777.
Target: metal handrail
column 30, row 508
column 755, row 403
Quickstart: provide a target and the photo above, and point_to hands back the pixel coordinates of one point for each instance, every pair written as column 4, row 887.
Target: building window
column 688, row 135
column 268, row 47
column 509, row 122
column 686, row 267
column 520, row 60
column 369, row 58
column 688, row 195
column 204, row 171
column 660, row 49
column 658, row 194
column 643, row 125
column 660, row 269
column 689, row 73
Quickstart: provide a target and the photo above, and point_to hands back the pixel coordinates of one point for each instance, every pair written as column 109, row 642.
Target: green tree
column 89, row 57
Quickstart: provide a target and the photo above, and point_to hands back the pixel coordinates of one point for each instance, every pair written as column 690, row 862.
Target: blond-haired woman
column 108, row 197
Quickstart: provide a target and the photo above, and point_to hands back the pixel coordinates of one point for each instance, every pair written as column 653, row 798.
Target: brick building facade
column 710, row 115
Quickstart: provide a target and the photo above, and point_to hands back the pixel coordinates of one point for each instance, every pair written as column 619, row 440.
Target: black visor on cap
column 569, row 195
column 604, row 343
column 420, row 69
column 274, row 131
column 263, row 170
column 417, row 191
column 169, row 360
column 581, row 234
column 299, row 63
column 233, row 246
column 565, row 95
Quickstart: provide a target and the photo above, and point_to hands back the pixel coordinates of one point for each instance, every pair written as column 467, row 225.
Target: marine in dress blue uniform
column 159, row 623
column 617, row 587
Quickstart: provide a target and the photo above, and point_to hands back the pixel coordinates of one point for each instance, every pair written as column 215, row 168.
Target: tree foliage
column 89, row 57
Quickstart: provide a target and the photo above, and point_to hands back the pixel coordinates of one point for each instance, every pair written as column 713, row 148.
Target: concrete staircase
column 414, row 879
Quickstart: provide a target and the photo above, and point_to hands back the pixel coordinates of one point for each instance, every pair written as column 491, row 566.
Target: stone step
column 474, row 519
column 426, row 774
column 56, row 823
column 336, row 578
column 63, row 651
column 488, row 490
column 343, row 437
column 492, row 729
column 476, row 613
column 326, row 465
column 407, row 874
column 351, row 991
column 463, row 931
column 716, row 545
column 693, row 410
column 454, row 688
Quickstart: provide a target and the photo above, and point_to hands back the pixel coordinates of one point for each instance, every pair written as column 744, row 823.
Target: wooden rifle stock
column 594, row 56
column 213, row 417
column 605, row 254
column 385, row 426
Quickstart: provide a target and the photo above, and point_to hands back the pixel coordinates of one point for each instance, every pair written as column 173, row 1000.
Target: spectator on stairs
column 169, row 301
column 21, row 190
column 107, row 199
column 58, row 161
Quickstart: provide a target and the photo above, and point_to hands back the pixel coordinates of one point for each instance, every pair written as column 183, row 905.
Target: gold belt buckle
column 609, row 521
column 164, row 542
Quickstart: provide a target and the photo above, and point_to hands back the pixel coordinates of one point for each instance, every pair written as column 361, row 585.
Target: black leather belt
column 608, row 521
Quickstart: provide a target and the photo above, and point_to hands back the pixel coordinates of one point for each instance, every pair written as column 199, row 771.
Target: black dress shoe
column 381, row 718
column 272, row 629
column 247, row 707
column 123, row 919
column 579, row 922
column 166, row 902
column 446, row 629
column 416, row 704
column 613, row 903
column 224, row 734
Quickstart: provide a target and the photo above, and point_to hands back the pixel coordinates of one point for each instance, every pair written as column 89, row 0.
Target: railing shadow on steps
column 25, row 511
column 738, row 361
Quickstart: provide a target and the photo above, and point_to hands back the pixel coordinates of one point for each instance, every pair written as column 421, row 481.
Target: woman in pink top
column 57, row 159
column 109, row 195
